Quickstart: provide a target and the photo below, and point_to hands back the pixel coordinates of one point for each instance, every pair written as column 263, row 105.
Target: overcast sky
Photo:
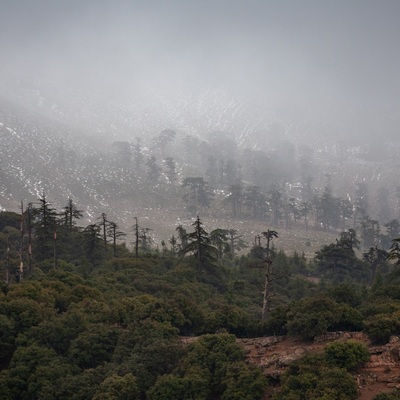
column 333, row 64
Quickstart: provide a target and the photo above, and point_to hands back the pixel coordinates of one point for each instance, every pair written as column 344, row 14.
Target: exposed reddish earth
column 380, row 374
column 274, row 354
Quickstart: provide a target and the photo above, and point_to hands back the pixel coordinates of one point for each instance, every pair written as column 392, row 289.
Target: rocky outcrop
column 382, row 373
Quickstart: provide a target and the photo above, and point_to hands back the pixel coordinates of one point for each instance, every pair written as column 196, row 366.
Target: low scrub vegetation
column 96, row 320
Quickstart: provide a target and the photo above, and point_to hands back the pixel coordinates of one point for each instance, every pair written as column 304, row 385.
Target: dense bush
column 194, row 385
column 94, row 346
column 348, row 355
column 350, row 294
column 315, row 316
column 276, row 324
column 312, row 379
column 380, row 328
column 380, row 306
column 243, row 382
column 394, row 395
column 213, row 367
column 7, row 338
column 117, row 387
column 350, row 319
column 312, row 317
column 109, row 328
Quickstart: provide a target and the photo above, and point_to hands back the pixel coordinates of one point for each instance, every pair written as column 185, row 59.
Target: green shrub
column 194, row 385
column 350, row 319
column 7, row 337
column 380, row 328
column 380, row 306
column 117, row 387
column 312, row 379
column 388, row 291
column 243, row 382
column 394, row 395
column 93, row 346
column 276, row 322
column 213, row 367
column 346, row 293
column 348, row 355
column 214, row 353
column 313, row 317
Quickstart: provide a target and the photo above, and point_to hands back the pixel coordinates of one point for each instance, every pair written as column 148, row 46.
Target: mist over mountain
column 312, row 71
column 115, row 104
column 178, row 174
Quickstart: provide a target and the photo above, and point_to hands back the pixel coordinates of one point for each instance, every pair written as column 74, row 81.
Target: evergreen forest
column 85, row 317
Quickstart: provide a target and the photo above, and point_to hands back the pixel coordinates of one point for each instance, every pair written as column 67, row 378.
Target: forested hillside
column 84, row 317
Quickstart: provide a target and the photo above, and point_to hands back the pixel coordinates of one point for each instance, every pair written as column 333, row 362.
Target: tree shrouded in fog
column 329, row 207
column 361, row 203
column 163, row 140
column 235, row 199
column 255, row 201
column 123, row 153
column 199, row 194
column 153, row 170
column 275, row 201
column 171, row 173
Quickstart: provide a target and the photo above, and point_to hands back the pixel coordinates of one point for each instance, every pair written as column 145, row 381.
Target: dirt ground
column 381, row 374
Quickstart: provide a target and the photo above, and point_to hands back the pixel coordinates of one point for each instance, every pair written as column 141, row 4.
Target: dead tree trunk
column 21, row 244
column 136, row 227
column 267, row 290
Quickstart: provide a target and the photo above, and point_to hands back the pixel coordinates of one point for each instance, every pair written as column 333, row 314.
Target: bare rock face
column 262, row 342
column 273, row 354
column 285, row 361
column 328, row 336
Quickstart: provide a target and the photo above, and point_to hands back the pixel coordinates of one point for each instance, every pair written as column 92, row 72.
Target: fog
column 314, row 69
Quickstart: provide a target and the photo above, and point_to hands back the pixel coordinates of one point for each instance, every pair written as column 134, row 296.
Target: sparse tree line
column 41, row 234
column 276, row 187
column 281, row 205
column 47, row 235
column 277, row 208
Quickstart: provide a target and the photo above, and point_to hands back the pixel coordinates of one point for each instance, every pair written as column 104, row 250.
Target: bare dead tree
column 21, row 244
column 29, row 216
column 103, row 225
column 137, row 238
column 264, row 254
column 8, row 274
column 55, row 245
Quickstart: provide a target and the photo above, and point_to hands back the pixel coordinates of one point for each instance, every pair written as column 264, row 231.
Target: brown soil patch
column 274, row 354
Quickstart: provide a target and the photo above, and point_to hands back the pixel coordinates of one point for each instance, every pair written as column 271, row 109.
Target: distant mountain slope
column 39, row 155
